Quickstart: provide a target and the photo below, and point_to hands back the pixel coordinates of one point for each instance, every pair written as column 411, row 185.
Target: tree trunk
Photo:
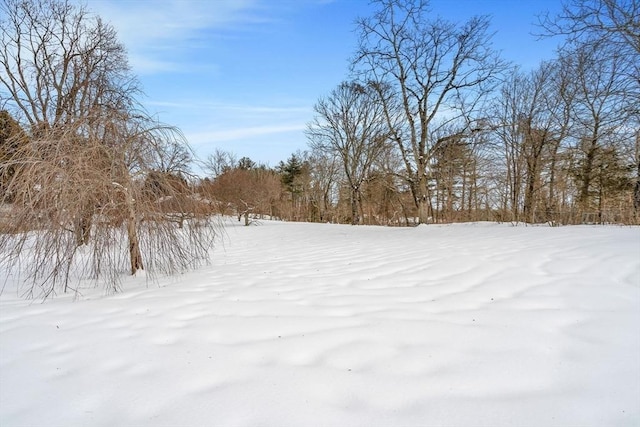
column 354, row 206
column 83, row 228
column 514, row 186
column 423, row 210
column 529, row 195
column 422, row 194
column 552, row 205
column 600, row 195
column 587, row 171
column 134, row 245
column 587, row 167
column 636, row 189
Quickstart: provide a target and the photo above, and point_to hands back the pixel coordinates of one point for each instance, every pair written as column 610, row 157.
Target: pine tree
column 289, row 172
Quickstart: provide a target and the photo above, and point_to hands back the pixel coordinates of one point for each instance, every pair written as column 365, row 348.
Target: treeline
column 433, row 126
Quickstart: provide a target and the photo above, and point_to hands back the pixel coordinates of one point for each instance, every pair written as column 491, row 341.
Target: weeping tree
column 93, row 192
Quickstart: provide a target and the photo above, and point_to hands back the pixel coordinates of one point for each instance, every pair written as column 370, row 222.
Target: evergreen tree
column 290, row 171
column 246, row 163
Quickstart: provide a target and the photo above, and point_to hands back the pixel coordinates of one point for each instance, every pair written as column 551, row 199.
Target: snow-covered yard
column 315, row 324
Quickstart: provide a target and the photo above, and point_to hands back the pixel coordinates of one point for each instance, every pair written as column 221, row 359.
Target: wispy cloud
column 197, row 105
column 270, row 132
column 233, row 121
column 242, row 133
column 156, row 31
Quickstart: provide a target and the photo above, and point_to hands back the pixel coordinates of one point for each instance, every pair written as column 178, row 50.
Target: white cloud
column 241, row 133
column 236, row 109
column 154, row 32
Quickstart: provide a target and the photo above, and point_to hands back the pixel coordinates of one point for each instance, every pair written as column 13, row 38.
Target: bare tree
column 602, row 47
column 350, row 123
column 601, row 115
column 60, row 64
column 220, row 161
column 451, row 159
column 505, row 111
column 531, row 120
column 83, row 202
column 430, row 72
column 247, row 191
column 324, row 170
column 62, row 68
column 617, row 21
column 169, row 155
column 87, row 199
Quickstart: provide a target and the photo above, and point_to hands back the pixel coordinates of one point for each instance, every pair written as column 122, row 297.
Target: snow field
column 299, row 324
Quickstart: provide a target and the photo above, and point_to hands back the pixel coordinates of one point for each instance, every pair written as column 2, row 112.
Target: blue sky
column 243, row 75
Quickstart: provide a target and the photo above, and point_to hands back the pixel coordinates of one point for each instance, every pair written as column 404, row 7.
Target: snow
column 298, row 324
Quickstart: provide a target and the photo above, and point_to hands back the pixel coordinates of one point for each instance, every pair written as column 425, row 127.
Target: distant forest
column 432, row 126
